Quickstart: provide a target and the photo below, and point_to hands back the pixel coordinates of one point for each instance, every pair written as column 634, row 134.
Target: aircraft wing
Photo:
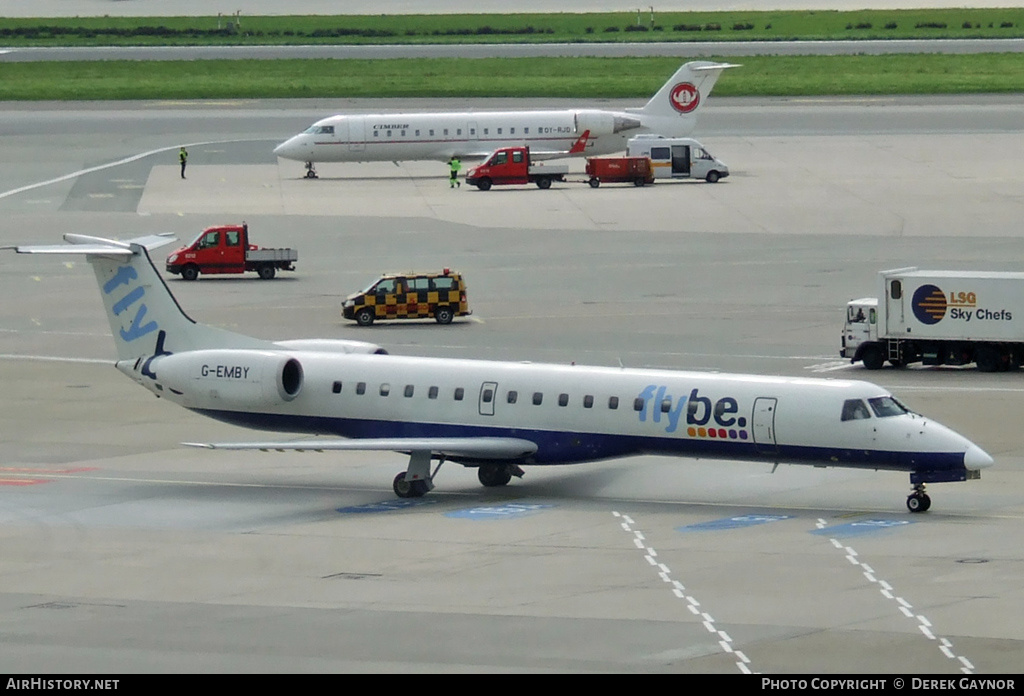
column 468, row 447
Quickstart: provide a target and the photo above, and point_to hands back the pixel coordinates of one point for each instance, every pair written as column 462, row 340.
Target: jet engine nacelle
column 230, row 378
column 333, row 345
column 605, row 123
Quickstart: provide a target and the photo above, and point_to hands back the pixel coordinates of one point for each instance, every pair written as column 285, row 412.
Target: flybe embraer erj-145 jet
column 498, row 416
column 672, row 112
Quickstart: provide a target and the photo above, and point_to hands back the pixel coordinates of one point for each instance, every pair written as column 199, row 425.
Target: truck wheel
column 190, row 272
column 365, row 317
column 872, row 358
column 988, row 359
column 266, row 272
column 484, row 184
column 544, row 183
column 594, row 182
column 443, row 315
column 712, row 177
column 639, row 181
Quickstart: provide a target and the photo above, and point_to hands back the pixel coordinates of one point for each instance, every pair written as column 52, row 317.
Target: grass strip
column 519, row 28
column 520, row 77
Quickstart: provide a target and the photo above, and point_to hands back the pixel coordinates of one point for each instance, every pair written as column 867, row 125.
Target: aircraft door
column 680, row 160
column 474, row 132
column 356, row 134
column 488, row 394
column 764, row 425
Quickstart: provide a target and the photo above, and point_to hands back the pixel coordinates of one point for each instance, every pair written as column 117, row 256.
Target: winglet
column 581, row 143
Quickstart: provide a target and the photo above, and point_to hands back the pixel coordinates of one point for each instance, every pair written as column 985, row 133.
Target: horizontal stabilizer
column 473, row 447
column 85, row 244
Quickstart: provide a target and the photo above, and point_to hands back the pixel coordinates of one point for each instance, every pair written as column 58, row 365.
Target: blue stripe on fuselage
column 557, row 447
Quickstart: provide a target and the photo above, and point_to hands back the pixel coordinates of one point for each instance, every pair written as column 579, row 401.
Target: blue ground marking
column 861, row 528
column 498, row 512
column 387, row 506
column 732, row 523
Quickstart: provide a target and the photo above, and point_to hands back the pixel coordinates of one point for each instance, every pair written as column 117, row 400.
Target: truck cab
column 861, row 327
column 226, row 249
column 678, row 158
column 512, row 165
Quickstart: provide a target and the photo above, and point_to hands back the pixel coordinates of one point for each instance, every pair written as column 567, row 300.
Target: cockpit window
column 855, row 409
column 320, row 130
column 885, row 406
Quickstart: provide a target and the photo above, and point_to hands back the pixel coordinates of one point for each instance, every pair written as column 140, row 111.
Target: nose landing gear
column 310, row 171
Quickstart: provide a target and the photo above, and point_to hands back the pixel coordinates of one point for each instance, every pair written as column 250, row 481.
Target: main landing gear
column 418, row 480
column 310, row 171
column 918, row 501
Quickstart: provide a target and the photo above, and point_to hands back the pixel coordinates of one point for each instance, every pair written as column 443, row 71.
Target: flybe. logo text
column 704, row 417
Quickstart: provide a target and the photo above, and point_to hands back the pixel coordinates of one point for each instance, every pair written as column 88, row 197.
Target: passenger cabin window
column 538, row 398
column 487, row 396
column 638, row 404
column 459, row 393
column 885, row 406
column 336, row 388
column 361, row 388
column 432, row 393
column 588, row 401
column 512, row 397
column 385, row 389
column 409, row 389
column 666, row 405
column 563, row 399
column 855, row 409
column 613, row 403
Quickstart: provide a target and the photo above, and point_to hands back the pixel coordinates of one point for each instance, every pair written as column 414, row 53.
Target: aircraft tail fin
column 144, row 317
column 687, row 90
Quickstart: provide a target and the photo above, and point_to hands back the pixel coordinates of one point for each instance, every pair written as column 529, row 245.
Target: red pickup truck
column 227, row 250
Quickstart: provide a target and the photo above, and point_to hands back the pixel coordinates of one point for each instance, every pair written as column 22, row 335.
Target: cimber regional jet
column 672, row 112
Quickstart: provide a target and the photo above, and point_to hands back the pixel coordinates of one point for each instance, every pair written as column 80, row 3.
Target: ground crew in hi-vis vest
column 455, row 166
column 183, row 158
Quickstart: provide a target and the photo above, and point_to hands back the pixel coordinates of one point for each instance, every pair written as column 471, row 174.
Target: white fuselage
column 470, row 135
column 572, row 413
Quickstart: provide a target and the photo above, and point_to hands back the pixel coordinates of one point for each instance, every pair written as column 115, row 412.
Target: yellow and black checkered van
column 410, row 296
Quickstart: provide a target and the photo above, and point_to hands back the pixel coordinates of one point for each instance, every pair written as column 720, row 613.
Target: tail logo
column 136, row 328
column 684, row 97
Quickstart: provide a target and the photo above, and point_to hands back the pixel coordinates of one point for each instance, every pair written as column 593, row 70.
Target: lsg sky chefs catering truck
column 939, row 318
